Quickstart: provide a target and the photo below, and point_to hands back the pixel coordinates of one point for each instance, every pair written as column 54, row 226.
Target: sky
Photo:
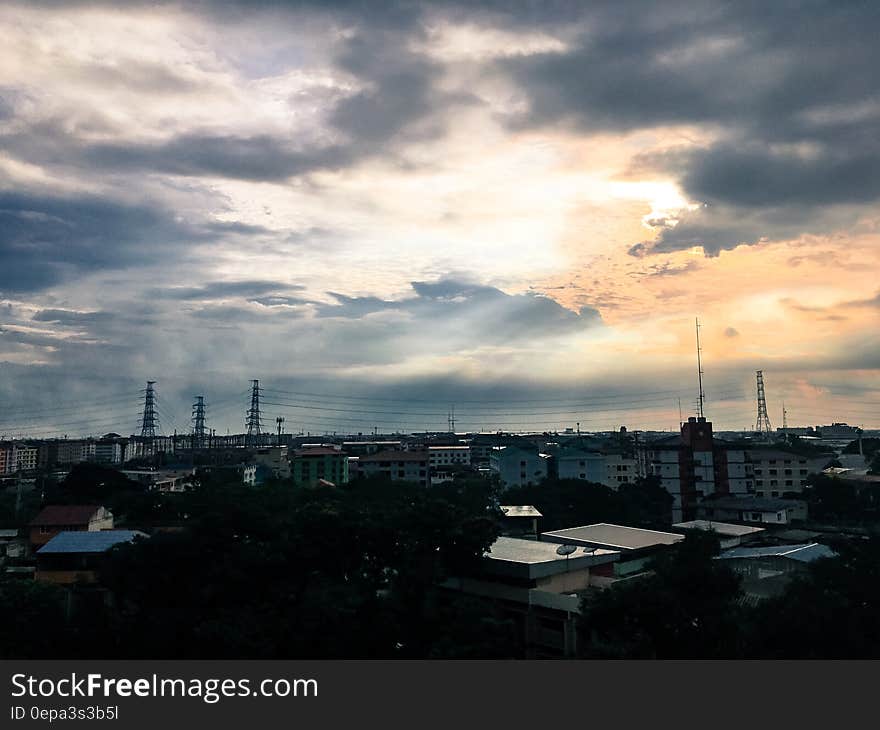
column 386, row 210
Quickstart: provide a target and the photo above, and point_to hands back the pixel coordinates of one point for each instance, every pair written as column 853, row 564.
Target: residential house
column 58, row 518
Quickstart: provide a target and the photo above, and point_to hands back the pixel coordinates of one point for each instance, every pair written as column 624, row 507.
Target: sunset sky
column 383, row 209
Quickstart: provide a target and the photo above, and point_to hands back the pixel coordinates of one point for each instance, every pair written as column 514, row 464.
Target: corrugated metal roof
column 803, row 553
column 88, row 542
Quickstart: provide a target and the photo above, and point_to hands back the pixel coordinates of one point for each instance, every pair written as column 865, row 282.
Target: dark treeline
column 357, row 571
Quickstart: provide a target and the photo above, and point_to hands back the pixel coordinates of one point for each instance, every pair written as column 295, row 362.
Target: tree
column 830, row 612
column 687, row 607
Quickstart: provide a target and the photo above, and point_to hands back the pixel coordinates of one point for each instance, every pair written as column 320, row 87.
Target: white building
column 446, row 455
column 517, row 467
column 778, row 471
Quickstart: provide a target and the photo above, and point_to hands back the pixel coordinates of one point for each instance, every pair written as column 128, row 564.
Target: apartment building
column 446, row 455
column 518, row 467
column 694, row 465
column 407, row 466
column 779, row 471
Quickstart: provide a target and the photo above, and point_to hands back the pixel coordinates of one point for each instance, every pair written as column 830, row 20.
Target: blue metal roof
column 88, row 542
column 802, row 553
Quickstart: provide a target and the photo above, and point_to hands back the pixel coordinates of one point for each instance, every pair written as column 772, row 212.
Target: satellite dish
column 566, row 549
column 589, row 550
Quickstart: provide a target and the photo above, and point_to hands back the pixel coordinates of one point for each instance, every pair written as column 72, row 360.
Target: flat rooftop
column 721, row 528
column 802, row 553
column 520, row 510
column 617, row 537
column 530, row 558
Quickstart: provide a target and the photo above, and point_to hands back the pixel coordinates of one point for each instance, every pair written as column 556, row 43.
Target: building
column 620, row 468
column 315, row 463
column 778, row 471
column 367, row 448
column 58, row 518
column 520, row 520
column 635, row 545
column 574, row 463
column 162, row 480
column 274, row 460
column 766, row 571
column 729, row 535
column 518, row 467
column 408, row 466
column 17, row 457
column 753, row 510
column 446, row 455
column 109, row 452
column 75, row 557
column 694, row 465
column 539, row 587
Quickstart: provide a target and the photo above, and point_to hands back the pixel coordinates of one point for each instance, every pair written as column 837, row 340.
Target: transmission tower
column 148, row 424
column 279, row 422
column 254, row 422
column 199, row 431
column 762, row 424
column 702, row 395
column 450, row 419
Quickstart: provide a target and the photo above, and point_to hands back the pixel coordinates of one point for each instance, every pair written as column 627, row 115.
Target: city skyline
column 438, row 204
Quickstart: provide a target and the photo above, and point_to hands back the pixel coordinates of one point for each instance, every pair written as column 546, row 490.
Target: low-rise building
column 729, row 535
column 58, row 518
column 635, row 545
column 538, row 586
column 519, row 520
column 518, row 467
column 753, row 510
column 315, row 463
column 274, row 459
column 766, row 571
column 446, row 455
column 779, row 471
column 75, row 557
column 408, row 466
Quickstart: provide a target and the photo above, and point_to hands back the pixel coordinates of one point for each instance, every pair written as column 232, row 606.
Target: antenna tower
column 148, row 424
column 199, row 431
column 450, row 420
column 762, row 424
column 279, row 422
column 700, row 371
column 254, row 422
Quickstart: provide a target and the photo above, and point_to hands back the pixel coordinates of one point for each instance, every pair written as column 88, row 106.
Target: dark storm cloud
column 789, row 88
column 45, row 239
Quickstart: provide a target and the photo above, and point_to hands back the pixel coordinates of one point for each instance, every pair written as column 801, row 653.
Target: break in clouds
column 364, row 197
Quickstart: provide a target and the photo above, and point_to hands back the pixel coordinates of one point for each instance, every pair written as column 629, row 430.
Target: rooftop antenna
column 700, row 369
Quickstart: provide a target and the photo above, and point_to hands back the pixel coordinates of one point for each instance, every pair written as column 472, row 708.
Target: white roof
column 613, row 536
column 722, row 528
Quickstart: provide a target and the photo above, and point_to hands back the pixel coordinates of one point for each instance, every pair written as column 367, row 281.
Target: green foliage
column 842, row 501
column 686, row 608
column 832, row 612
column 307, row 572
column 32, row 622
